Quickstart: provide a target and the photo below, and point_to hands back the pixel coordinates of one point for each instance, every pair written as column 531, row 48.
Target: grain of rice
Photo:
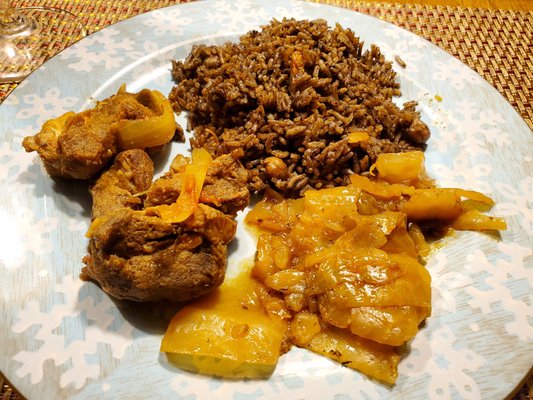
column 399, row 60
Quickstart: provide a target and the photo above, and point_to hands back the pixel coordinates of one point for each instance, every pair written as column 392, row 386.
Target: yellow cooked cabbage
column 339, row 272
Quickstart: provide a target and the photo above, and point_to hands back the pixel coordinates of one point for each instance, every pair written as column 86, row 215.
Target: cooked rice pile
column 298, row 98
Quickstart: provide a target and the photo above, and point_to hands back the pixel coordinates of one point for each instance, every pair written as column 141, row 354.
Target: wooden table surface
column 522, row 5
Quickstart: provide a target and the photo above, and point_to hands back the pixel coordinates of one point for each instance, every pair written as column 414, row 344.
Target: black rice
column 292, row 96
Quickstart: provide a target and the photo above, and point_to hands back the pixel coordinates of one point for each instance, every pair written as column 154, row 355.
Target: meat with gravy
column 142, row 257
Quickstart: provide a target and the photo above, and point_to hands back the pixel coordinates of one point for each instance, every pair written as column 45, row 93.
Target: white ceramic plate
column 63, row 338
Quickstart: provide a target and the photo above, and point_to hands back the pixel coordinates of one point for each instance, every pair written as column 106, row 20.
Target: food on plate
column 80, row 145
column 223, row 187
column 300, row 112
column 172, row 247
column 226, row 333
column 131, row 172
column 352, row 257
column 306, row 103
column 339, row 271
column 148, row 240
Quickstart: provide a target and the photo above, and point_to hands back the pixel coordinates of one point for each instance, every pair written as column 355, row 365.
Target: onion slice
column 148, row 132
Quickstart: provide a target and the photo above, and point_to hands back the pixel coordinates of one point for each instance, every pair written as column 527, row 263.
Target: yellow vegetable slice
column 193, row 181
column 473, row 195
column 273, row 213
column 375, row 288
column 419, row 240
column 286, row 281
column 473, row 220
column 427, row 204
column 303, row 327
column 388, row 325
column 148, row 132
column 401, row 242
column 224, row 334
column 226, row 343
column 366, row 234
column 224, row 368
column 329, row 203
column 264, row 264
column 379, row 189
column 406, row 168
column 358, row 136
column 376, row 360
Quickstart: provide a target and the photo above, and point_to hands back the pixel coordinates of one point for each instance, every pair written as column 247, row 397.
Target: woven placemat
column 497, row 44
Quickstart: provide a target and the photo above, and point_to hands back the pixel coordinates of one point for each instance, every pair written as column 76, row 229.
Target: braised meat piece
column 138, row 255
column 80, row 145
column 224, row 186
column 143, row 258
column 131, row 173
